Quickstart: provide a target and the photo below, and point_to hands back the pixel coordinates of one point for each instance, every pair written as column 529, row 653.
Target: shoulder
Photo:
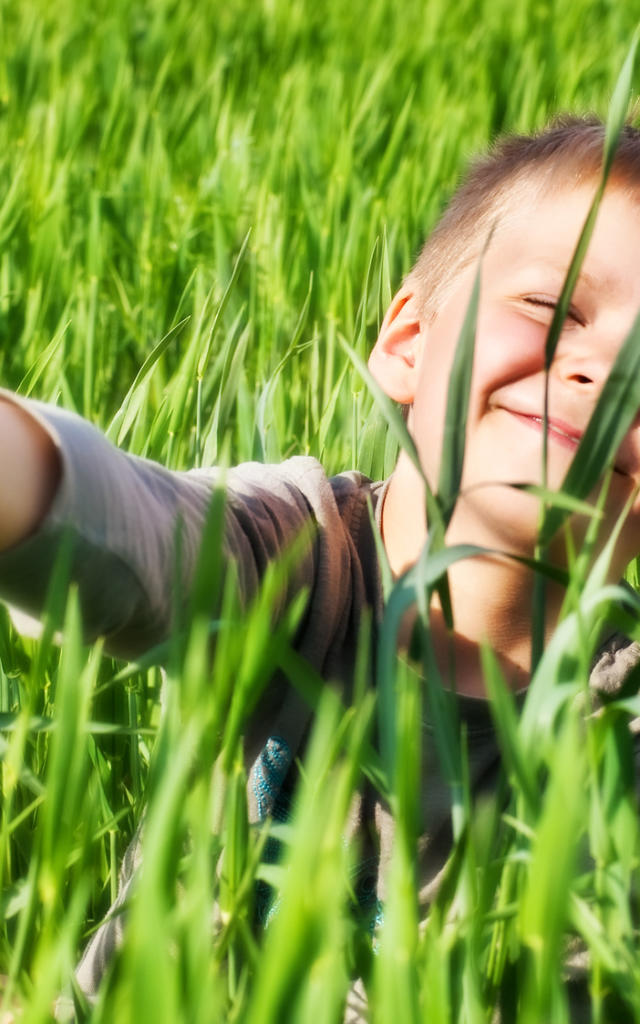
column 303, row 482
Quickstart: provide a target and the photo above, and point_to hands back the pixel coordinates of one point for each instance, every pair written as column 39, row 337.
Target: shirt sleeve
column 122, row 515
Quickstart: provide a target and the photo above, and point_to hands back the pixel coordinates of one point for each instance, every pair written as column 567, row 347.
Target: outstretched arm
column 62, row 478
column 123, row 515
column 29, row 474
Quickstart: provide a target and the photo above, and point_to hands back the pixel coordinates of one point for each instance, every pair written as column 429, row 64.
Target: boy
column 123, row 510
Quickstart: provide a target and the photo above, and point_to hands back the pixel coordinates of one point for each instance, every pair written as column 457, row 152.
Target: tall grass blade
column 614, row 126
column 615, row 411
column 455, row 424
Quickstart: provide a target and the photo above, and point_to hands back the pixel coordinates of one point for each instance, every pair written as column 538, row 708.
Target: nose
column 584, row 372
column 580, row 378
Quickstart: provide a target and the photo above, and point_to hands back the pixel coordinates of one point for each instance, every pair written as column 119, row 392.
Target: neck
column 491, row 595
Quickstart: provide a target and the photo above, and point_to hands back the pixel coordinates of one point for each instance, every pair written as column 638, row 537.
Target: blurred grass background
column 142, row 143
column 204, row 199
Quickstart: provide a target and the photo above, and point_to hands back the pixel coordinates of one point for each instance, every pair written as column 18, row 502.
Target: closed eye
column 549, row 303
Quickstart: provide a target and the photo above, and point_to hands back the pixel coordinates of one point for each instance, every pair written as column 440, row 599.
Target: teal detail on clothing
column 273, row 799
column 268, row 775
column 267, row 779
column 376, row 924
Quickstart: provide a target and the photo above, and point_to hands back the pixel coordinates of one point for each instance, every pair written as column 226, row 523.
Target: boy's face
column 522, row 275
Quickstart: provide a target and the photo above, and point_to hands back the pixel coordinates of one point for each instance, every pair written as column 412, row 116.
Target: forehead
column 540, row 227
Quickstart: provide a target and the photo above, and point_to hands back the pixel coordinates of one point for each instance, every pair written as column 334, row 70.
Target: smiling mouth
column 561, row 433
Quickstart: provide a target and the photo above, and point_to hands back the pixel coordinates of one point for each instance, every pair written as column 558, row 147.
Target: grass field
column 198, row 205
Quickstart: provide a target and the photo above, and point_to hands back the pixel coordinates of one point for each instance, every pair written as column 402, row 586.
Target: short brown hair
column 567, row 153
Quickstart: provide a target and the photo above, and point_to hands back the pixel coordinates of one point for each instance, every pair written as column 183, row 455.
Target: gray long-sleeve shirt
column 123, row 514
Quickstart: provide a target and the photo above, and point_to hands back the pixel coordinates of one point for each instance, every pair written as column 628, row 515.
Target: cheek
column 509, row 347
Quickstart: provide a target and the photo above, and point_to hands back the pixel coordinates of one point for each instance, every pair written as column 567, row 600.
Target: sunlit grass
column 199, row 207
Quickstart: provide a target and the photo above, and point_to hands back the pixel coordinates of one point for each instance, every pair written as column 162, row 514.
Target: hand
column 29, row 473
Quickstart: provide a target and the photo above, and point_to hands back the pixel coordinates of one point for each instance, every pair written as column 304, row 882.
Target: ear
column 395, row 358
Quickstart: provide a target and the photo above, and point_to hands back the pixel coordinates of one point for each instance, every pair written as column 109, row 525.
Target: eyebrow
column 601, row 283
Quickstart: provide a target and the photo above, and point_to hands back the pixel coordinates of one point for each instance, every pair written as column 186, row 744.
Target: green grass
column 199, row 207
